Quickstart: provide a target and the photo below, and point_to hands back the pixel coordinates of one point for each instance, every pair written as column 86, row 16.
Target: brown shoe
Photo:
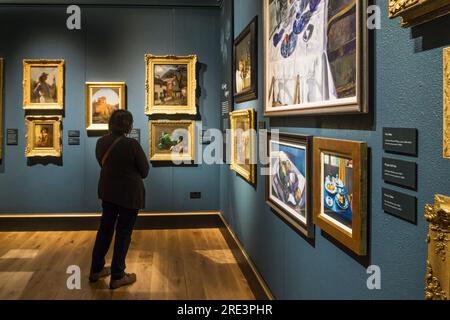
column 94, row 277
column 128, row 278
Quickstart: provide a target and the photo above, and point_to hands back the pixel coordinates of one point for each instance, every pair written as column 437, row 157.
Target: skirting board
column 146, row 221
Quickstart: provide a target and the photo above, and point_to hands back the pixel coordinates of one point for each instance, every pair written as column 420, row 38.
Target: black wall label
column 74, row 133
column 74, row 141
column 135, row 134
column 399, row 172
column 12, row 137
column 400, row 205
column 400, row 140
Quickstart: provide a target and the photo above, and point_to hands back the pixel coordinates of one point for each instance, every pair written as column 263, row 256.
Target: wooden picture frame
column 246, row 118
column 296, row 152
column 43, row 84
column 415, row 12
column 296, row 83
column 1, row 108
column 170, row 145
column 446, row 103
column 340, row 191
column 44, row 130
column 108, row 97
column 170, row 72
column 249, row 63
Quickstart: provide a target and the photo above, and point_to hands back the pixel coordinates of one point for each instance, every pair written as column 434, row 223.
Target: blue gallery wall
column 406, row 85
column 110, row 47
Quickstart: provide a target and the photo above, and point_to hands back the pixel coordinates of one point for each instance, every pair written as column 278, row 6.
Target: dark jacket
column 121, row 178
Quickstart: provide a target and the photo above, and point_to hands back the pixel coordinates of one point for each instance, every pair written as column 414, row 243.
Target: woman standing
column 123, row 166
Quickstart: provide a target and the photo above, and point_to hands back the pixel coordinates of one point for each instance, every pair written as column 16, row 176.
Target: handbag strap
column 111, row 147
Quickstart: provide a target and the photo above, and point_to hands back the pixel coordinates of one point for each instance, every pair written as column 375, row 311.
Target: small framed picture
column 172, row 140
column 43, row 84
column 43, row 136
column 246, row 63
column 289, row 181
column 102, row 99
column 171, row 85
column 340, row 189
column 243, row 144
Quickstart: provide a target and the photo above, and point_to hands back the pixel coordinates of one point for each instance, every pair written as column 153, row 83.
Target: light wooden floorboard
column 170, row 264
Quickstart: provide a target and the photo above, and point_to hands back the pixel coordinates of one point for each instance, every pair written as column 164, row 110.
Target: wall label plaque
column 399, row 172
column 135, row 134
column 12, row 137
column 74, row 133
column 400, row 140
column 74, row 141
column 399, row 205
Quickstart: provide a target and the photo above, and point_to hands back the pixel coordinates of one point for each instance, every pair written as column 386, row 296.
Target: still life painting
column 172, row 140
column 315, row 56
column 43, row 136
column 43, row 84
column 171, row 85
column 102, row 99
column 288, row 185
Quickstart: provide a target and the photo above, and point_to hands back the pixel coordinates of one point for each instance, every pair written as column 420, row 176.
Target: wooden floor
column 170, row 264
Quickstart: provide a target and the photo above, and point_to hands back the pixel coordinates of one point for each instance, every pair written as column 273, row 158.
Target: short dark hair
column 121, row 122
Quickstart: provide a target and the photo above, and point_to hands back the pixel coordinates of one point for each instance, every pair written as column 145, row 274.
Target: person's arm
column 141, row 161
column 98, row 153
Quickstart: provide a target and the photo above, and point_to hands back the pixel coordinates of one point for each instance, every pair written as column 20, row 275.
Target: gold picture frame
column 415, row 12
column 245, row 118
column 44, row 130
column 51, row 95
column 1, row 108
column 446, row 103
column 340, row 189
column 109, row 96
column 172, row 68
column 168, row 140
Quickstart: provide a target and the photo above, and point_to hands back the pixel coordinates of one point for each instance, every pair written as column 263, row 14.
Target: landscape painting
column 170, row 85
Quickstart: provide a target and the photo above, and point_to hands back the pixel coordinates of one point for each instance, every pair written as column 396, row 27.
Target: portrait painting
column 43, row 136
column 242, row 143
column 43, row 85
column 288, row 181
column 245, row 64
column 315, row 56
column 171, row 85
column 102, row 99
column 340, row 189
column 172, row 140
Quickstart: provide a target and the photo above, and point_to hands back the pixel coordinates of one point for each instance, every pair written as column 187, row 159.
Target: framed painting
column 315, row 57
column 415, row 12
column 172, row 140
column 288, row 186
column 43, row 136
column 43, row 84
column 242, row 123
column 340, row 189
column 102, row 99
column 1, row 108
column 171, row 84
column 245, row 53
column 446, row 103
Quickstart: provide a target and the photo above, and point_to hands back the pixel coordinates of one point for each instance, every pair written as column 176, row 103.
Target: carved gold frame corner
column 153, row 154
column 446, row 103
column 415, row 12
column 90, row 126
column 438, row 264
column 27, row 65
column 1, row 108
column 191, row 107
column 31, row 151
column 249, row 175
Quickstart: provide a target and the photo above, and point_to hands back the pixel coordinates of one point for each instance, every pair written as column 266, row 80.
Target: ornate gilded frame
column 358, row 104
column 27, row 65
column 177, row 124
column 446, row 103
column 150, row 107
column 89, row 85
column 356, row 241
column 1, row 108
column 249, row 175
column 415, row 12
column 32, row 151
column 437, row 280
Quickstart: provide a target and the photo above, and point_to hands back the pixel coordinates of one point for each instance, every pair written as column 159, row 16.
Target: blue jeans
column 123, row 220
